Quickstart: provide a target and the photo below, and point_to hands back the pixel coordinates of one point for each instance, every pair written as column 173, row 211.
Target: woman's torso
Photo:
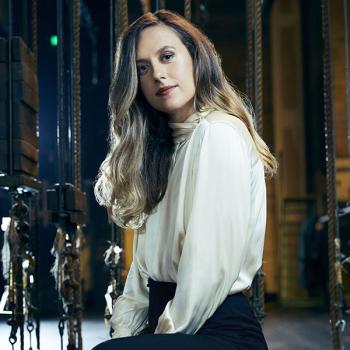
column 157, row 250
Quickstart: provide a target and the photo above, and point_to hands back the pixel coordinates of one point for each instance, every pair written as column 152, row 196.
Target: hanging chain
column 67, row 275
column 21, row 270
column 21, row 266
column 78, row 291
column 335, row 278
column 61, row 330
column 30, row 328
column 35, row 204
column 29, row 273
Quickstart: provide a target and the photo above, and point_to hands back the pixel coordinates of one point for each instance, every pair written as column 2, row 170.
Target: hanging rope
column 250, row 47
column 337, row 323
column 146, row 6
column 122, row 13
column 254, row 86
column 347, row 70
column 35, row 30
column 187, row 9
column 258, row 107
column 258, row 65
column 111, row 37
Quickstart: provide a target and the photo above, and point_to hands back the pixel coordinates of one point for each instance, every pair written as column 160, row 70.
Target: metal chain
column 70, row 286
column 335, row 282
column 29, row 271
column 18, row 243
column 36, row 204
column 187, row 9
column 61, row 330
column 30, row 328
column 78, row 290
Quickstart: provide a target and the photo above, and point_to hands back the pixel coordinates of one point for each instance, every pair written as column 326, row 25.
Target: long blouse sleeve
column 130, row 310
column 216, row 218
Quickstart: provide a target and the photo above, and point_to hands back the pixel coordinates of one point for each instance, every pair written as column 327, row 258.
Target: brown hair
column 133, row 178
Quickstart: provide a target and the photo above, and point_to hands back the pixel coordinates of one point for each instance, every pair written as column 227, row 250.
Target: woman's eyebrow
column 158, row 51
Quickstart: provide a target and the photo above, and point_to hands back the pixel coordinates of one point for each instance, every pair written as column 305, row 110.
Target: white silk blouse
column 207, row 233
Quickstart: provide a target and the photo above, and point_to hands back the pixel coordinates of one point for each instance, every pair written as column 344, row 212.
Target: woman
column 186, row 169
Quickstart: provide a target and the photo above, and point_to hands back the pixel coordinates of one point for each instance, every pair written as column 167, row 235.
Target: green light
column 53, row 40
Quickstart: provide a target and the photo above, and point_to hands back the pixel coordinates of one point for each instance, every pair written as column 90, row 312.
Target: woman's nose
column 159, row 72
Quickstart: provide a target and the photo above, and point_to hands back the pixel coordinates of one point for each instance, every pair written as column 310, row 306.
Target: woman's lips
column 166, row 92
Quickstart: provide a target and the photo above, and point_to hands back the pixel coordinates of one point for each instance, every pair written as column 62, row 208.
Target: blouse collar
column 182, row 131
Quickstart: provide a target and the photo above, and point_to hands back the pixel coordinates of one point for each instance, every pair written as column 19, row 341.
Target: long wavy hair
column 133, row 178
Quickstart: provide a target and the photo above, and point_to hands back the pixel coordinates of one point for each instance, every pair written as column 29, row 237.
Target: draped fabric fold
column 182, row 131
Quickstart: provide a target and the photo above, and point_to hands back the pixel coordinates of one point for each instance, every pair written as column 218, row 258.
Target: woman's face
column 165, row 70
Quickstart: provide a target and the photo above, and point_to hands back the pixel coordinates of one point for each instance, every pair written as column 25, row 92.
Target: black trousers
column 233, row 326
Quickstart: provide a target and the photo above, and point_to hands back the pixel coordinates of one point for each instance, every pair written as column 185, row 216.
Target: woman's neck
column 180, row 115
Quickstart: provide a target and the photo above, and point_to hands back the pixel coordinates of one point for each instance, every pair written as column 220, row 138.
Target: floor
column 303, row 330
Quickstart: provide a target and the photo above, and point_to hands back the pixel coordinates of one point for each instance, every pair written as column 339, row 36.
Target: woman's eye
column 167, row 56
column 141, row 69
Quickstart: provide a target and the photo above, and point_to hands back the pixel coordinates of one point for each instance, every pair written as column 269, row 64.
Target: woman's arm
column 217, row 218
column 131, row 308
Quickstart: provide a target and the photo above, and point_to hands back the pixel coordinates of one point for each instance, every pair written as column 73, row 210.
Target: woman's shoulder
column 220, row 121
column 222, row 117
